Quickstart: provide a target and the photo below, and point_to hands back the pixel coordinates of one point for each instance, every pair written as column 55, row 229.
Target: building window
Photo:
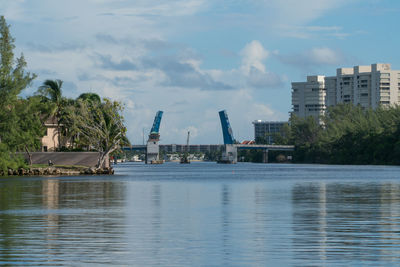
column 44, row 148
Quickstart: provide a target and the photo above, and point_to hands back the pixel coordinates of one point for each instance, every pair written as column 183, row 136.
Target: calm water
column 204, row 214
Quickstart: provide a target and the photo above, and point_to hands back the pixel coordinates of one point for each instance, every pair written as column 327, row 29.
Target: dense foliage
column 349, row 135
column 100, row 124
column 13, row 79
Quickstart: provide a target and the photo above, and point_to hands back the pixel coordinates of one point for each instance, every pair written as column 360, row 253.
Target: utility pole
column 143, row 135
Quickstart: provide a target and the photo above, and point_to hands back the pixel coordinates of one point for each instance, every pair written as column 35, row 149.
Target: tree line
column 87, row 122
column 348, row 135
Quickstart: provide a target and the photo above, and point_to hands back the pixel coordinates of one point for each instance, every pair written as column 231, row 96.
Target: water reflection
column 72, row 214
column 51, row 195
column 202, row 216
column 225, row 223
column 262, row 218
column 356, row 221
column 156, row 223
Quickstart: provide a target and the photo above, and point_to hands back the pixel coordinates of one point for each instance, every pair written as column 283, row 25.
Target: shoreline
column 54, row 170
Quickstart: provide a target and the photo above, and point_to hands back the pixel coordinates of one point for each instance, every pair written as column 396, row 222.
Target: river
column 204, row 214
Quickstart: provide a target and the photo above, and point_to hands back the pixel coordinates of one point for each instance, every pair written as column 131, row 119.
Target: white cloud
column 314, row 57
column 324, row 55
column 140, row 52
column 294, row 12
column 12, row 10
column 314, row 32
column 294, row 18
column 253, row 55
column 254, row 69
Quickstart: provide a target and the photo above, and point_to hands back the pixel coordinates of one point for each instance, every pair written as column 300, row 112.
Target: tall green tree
column 92, row 97
column 73, row 134
column 52, row 91
column 13, row 79
column 102, row 124
column 30, row 128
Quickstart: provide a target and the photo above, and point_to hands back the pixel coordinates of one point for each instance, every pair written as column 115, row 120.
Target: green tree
column 349, row 135
column 52, row 91
column 78, row 140
column 13, row 79
column 30, row 127
column 101, row 124
column 305, row 135
column 92, row 97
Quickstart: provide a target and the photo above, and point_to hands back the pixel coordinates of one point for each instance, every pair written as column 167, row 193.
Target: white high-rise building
column 308, row 98
column 367, row 86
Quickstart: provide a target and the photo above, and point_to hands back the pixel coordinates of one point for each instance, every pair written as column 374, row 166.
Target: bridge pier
column 265, row 156
column 229, row 155
column 152, row 151
column 152, row 147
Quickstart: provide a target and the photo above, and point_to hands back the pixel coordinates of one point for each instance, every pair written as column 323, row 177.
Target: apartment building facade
column 308, row 98
column 368, row 86
column 267, row 130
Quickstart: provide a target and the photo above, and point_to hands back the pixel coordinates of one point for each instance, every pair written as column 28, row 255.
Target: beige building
column 369, row 86
column 50, row 139
column 308, row 98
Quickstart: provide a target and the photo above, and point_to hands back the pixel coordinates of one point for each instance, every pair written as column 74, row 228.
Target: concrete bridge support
column 265, row 156
column 152, row 151
column 229, row 155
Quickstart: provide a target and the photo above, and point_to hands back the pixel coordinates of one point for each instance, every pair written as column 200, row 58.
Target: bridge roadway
column 134, row 147
column 266, row 147
column 239, row 146
column 232, row 150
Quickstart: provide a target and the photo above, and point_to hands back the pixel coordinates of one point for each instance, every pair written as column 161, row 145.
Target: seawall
column 88, row 159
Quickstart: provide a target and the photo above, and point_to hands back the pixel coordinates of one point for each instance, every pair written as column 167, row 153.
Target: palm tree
column 92, row 97
column 51, row 89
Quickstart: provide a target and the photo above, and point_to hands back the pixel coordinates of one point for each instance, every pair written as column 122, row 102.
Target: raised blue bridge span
column 229, row 148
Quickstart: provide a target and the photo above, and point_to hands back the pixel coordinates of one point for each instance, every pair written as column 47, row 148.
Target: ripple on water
column 205, row 214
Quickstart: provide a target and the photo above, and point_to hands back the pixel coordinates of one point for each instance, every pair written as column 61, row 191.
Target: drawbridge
column 229, row 152
column 152, row 147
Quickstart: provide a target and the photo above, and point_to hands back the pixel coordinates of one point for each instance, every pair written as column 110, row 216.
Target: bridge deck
column 134, row 147
column 239, row 146
column 267, row 147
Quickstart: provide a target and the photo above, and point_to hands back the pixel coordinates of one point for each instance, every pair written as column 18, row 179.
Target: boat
column 185, row 160
column 157, row 161
column 185, row 157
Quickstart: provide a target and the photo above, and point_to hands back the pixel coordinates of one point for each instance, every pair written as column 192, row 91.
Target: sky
column 193, row 58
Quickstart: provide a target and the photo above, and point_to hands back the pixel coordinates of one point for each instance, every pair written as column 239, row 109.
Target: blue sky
column 192, row 58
